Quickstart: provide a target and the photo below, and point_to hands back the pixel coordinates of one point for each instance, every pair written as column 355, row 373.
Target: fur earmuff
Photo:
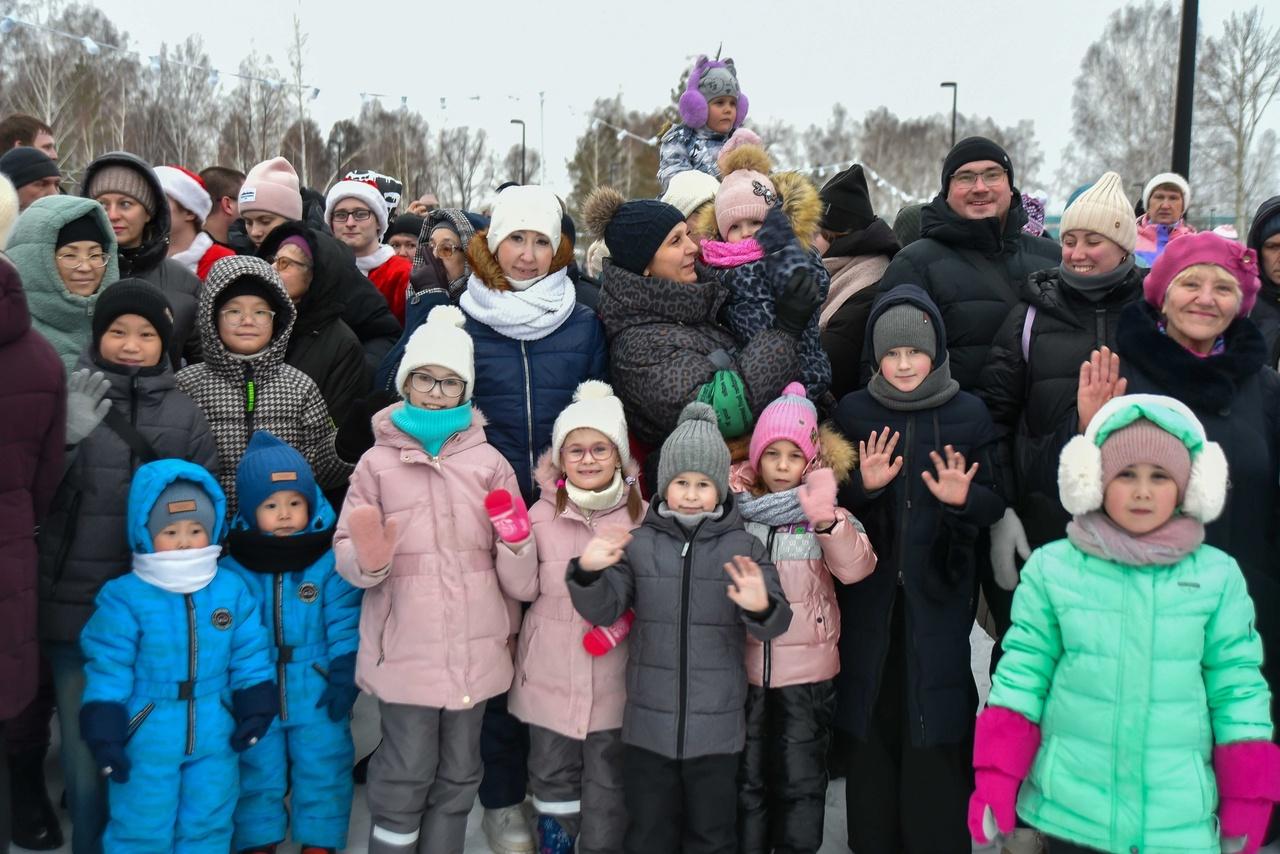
column 1207, row 486
column 1080, row 476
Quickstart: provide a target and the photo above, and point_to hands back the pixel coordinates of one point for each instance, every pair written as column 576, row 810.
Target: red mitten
column 601, row 639
column 509, row 516
column 817, row 496
column 1004, row 746
column 1248, row 774
column 374, row 542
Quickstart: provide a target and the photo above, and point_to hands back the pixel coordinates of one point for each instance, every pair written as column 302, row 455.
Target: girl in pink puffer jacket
column 434, row 622
column 570, row 676
column 786, row 492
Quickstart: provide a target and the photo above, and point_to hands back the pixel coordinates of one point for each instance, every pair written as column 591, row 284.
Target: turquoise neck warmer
column 432, row 427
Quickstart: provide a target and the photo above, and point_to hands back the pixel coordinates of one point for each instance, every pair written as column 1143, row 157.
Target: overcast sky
column 1013, row 59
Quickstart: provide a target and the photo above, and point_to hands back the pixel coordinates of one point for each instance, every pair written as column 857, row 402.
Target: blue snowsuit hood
column 150, row 480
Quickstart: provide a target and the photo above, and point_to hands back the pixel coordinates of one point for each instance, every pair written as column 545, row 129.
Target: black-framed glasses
column 68, row 261
column 361, row 215
column 425, row 384
column 599, row 452
column 993, row 177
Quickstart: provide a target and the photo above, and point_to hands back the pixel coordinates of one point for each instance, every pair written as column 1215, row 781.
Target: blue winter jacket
column 173, row 659
column 311, row 614
column 521, row 386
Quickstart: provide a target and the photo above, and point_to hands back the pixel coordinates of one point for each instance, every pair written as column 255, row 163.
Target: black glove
column 430, row 274
column 105, row 728
column 254, row 708
column 776, row 233
column 797, row 303
column 355, row 436
column 340, row 693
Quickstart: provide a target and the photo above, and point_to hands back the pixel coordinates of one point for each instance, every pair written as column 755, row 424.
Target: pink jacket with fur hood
column 434, row 631
column 558, row 684
column 807, row 564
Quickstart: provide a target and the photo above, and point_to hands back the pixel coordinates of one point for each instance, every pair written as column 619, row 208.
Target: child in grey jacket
column 683, row 727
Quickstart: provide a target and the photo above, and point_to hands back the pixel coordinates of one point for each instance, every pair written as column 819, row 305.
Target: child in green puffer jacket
column 1129, row 696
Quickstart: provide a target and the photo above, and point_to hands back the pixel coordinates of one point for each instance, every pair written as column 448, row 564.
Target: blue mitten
column 341, row 692
column 105, row 728
column 254, row 708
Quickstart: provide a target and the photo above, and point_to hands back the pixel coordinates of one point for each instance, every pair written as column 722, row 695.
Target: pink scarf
column 1094, row 533
column 717, row 253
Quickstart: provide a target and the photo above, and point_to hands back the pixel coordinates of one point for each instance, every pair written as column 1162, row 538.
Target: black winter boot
column 35, row 824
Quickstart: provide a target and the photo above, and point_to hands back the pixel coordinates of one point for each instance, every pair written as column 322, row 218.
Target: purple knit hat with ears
column 710, row 79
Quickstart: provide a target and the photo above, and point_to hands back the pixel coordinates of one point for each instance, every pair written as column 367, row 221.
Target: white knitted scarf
column 527, row 315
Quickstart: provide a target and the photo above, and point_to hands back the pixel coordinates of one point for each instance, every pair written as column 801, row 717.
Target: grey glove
column 86, row 403
column 1008, row 537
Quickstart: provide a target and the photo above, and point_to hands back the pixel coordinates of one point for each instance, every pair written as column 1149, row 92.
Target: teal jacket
column 1133, row 673
column 64, row 319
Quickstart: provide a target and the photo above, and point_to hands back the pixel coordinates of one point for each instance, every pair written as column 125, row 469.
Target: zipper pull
column 685, row 551
column 250, row 395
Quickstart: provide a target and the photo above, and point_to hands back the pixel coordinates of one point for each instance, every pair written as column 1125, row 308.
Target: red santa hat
column 185, row 188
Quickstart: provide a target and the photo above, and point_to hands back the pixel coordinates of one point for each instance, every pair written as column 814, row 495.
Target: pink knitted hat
column 744, row 194
column 272, row 186
column 1204, row 248
column 791, row 416
column 1145, row 441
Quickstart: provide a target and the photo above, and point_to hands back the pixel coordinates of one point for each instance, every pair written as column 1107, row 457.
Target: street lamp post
column 521, row 123
column 955, row 89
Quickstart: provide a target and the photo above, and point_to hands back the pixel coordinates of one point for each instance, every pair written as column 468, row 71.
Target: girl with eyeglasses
column 65, row 250
column 570, row 675
column 244, row 384
column 434, row 624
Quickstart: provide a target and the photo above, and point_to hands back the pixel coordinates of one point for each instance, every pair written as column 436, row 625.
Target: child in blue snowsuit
column 281, row 546
column 177, row 677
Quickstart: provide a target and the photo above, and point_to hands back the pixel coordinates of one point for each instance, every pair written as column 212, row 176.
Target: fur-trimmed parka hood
column 800, row 202
column 485, row 267
column 835, row 452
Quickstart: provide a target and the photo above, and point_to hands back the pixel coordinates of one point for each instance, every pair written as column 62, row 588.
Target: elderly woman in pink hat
column 1191, row 339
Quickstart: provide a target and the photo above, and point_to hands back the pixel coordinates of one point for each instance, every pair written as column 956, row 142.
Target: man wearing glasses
column 357, row 213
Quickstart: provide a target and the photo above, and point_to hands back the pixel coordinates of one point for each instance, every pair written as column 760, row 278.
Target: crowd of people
column 640, row 552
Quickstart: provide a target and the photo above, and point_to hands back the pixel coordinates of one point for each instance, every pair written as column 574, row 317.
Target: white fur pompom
column 1207, row 486
column 592, row 390
column 450, row 315
column 1080, row 476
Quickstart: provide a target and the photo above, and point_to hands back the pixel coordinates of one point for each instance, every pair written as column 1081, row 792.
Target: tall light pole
column 955, row 89
column 521, row 123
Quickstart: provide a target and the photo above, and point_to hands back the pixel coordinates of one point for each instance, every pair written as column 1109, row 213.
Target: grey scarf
column 689, row 521
column 1095, row 288
column 936, row 390
column 772, row 508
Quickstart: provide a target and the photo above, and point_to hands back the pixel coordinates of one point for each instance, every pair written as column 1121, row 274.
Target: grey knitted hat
column 182, row 499
column 904, row 325
column 695, row 445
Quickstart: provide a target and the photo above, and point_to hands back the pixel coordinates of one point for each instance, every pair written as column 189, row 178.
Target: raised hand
column 1100, row 381
column 374, row 542
column 747, row 590
column 817, row 497
column 605, row 549
column 951, row 486
column 87, row 403
column 876, row 460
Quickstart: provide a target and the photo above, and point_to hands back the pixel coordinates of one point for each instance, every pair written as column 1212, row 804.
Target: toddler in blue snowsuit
column 177, row 677
column 281, row 546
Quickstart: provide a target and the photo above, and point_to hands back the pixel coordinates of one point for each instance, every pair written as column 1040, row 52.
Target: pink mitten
column 601, row 639
column 817, row 496
column 1004, row 746
column 1248, row 774
column 509, row 516
column 374, row 542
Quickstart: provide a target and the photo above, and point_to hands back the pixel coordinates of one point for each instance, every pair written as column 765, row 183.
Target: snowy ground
column 365, row 730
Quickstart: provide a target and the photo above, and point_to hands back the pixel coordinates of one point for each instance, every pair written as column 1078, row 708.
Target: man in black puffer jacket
column 1264, row 238
column 972, row 256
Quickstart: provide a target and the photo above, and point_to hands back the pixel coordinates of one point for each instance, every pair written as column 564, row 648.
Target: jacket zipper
column 528, row 405
column 904, row 506
column 685, row 583
column 133, row 418
column 250, row 400
column 281, row 664
column 136, row 720
column 192, row 650
column 768, row 645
